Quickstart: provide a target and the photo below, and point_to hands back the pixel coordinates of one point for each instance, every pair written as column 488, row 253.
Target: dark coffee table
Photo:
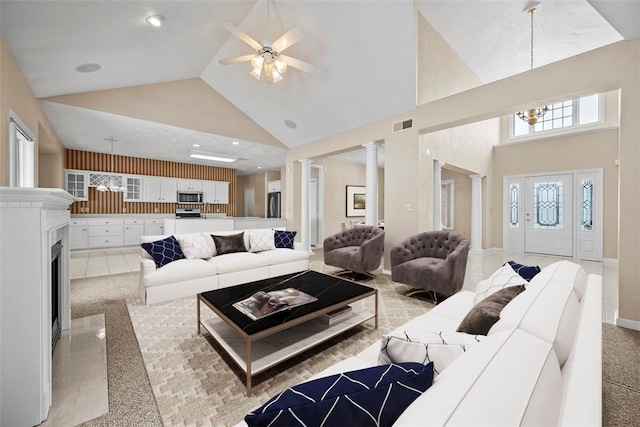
column 256, row 345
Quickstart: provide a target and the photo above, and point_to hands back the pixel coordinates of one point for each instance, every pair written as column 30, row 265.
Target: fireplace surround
column 34, row 224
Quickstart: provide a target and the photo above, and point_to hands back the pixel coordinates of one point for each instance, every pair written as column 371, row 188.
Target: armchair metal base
column 432, row 296
column 353, row 275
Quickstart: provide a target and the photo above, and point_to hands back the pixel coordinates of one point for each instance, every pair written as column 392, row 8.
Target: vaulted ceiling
column 364, row 52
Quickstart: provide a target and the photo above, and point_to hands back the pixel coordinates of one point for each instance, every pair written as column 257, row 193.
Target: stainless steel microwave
column 190, row 196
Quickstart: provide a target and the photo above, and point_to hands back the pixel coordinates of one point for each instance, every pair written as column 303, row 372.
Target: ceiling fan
column 268, row 57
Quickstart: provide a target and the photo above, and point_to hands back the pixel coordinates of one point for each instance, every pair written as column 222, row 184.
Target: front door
column 548, row 215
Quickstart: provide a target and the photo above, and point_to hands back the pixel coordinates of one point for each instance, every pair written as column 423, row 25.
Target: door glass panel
column 547, row 205
column 514, row 194
column 587, row 205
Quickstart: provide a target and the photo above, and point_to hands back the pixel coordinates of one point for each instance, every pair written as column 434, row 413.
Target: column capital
column 371, row 145
column 306, row 161
column 476, row 177
column 438, row 164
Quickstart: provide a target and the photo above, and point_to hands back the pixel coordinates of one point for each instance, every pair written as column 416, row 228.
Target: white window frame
column 21, row 156
column 575, row 115
column 449, row 186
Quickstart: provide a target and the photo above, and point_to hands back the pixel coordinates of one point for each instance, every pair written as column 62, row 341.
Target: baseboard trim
column 385, row 271
column 476, row 251
column 627, row 323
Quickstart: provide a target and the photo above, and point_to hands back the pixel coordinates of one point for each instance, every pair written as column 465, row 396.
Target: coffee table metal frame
column 249, row 339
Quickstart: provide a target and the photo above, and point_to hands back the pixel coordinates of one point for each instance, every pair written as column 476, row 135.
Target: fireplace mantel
column 32, row 220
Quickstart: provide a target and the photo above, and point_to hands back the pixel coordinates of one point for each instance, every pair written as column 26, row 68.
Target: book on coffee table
column 338, row 315
column 263, row 304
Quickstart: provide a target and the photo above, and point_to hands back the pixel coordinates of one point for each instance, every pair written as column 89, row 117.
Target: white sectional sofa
column 186, row 277
column 539, row 365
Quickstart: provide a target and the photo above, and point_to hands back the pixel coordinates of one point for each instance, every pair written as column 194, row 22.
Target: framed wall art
column 356, row 200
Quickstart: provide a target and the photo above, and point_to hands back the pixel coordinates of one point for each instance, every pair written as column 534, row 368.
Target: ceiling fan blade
column 287, row 39
column 242, row 35
column 296, row 63
column 237, row 59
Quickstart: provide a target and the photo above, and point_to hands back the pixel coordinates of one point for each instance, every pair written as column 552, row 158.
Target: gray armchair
column 433, row 262
column 357, row 250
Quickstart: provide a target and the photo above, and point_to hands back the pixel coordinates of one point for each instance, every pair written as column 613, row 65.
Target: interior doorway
column 249, row 201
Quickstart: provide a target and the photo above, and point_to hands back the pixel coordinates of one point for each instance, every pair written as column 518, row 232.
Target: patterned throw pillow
column 164, row 251
column 284, row 239
column 481, row 317
column 261, row 240
column 366, row 397
column 527, row 272
column 229, row 244
column 193, row 246
column 441, row 348
column 500, row 279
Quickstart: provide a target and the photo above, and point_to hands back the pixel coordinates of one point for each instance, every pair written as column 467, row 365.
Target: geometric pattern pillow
column 284, row 239
column 527, row 272
column 441, row 348
column 261, row 240
column 486, row 313
column 164, row 251
column 193, row 246
column 366, row 397
column 500, row 279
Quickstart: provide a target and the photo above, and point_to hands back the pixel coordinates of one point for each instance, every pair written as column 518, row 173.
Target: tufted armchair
column 434, row 262
column 358, row 249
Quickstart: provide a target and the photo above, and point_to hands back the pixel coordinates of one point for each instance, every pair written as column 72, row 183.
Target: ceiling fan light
column 276, row 76
column 257, row 62
column 256, row 73
column 281, row 66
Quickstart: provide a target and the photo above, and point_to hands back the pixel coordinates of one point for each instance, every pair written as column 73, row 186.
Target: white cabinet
column 216, row 192
column 156, row 189
column 133, row 229
column 78, row 234
column 189, row 184
column 153, row 227
column 273, row 186
column 133, row 184
column 106, row 232
column 77, row 184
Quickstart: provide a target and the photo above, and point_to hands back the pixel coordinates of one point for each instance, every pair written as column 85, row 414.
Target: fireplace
column 56, row 294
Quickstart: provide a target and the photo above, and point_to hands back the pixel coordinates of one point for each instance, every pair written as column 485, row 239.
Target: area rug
column 195, row 383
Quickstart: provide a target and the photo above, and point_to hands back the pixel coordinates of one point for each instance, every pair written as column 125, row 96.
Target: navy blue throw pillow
column 284, row 239
column 164, row 251
column 372, row 396
column 527, row 272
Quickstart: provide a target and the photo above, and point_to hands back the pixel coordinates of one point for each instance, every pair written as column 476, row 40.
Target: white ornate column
column 476, row 214
column 437, row 195
column 371, row 208
column 305, row 202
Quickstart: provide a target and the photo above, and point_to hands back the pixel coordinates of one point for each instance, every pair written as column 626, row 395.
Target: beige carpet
column 195, row 384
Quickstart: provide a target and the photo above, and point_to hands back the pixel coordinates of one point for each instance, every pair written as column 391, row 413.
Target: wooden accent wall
column 113, row 203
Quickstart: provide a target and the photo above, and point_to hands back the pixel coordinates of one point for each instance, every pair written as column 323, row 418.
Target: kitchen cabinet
column 153, row 227
column 133, row 184
column 156, row 189
column 189, row 184
column 77, row 184
column 133, row 229
column 273, row 186
column 216, row 192
column 78, row 234
column 106, row 232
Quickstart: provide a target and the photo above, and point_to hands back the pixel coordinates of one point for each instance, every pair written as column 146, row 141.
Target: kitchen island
column 195, row 225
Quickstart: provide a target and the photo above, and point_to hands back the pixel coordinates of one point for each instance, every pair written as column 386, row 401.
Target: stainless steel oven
column 190, row 196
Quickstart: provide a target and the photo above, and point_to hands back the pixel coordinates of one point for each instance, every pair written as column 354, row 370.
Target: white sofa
column 540, row 364
column 186, row 277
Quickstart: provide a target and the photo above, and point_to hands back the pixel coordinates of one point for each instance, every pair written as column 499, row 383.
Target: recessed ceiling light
column 259, row 167
column 212, row 156
column 88, row 68
column 235, row 143
column 290, row 124
column 196, row 145
column 155, row 20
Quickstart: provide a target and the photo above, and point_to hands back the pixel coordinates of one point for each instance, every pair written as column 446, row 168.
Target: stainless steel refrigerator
column 273, row 205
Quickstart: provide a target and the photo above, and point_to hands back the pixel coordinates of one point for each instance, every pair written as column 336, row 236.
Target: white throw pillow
column 441, row 348
column 261, row 240
column 503, row 277
column 193, row 246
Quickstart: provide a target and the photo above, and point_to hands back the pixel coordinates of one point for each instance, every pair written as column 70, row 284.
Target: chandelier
column 532, row 115
column 111, row 185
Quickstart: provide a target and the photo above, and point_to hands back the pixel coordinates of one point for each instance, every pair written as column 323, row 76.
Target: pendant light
column 112, row 181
